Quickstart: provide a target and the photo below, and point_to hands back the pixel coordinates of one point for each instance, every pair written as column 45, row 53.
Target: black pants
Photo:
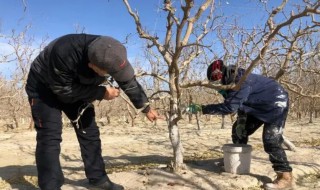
column 47, row 116
column 272, row 140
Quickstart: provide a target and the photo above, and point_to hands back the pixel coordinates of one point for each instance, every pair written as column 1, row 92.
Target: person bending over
column 259, row 101
column 66, row 77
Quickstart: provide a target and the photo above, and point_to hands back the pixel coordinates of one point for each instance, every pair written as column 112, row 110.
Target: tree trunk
column 190, row 102
column 132, row 117
column 108, row 119
column 190, row 118
column 222, row 122
column 310, row 117
column 16, row 122
column 176, row 144
column 299, row 115
column 174, row 135
column 31, row 126
column 198, row 120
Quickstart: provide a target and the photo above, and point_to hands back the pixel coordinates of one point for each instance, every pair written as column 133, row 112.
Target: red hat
column 215, row 70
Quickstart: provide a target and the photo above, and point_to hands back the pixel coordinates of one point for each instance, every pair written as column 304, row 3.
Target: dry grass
column 311, row 142
column 308, row 179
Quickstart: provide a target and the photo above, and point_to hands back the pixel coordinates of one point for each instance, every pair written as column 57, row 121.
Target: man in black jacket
column 67, row 76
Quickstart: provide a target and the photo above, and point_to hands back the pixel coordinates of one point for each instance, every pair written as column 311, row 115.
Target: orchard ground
column 139, row 157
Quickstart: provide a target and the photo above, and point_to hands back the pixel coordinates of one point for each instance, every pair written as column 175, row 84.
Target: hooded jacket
column 62, row 68
column 259, row 96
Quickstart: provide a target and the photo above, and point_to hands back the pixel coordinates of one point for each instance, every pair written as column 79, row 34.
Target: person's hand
column 241, row 131
column 111, row 93
column 153, row 115
column 194, row 108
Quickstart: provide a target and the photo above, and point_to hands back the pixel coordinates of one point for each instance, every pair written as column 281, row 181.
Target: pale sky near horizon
column 108, row 17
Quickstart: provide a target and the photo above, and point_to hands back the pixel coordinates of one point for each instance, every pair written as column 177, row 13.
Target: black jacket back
column 62, row 68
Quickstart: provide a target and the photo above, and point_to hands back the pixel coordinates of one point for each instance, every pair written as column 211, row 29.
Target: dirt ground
column 137, row 157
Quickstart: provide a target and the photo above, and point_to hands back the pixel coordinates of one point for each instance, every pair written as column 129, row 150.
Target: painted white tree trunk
column 174, row 135
column 177, row 147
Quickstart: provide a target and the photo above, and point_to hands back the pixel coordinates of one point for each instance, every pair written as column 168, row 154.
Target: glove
column 222, row 92
column 241, row 125
column 241, row 131
column 194, row 108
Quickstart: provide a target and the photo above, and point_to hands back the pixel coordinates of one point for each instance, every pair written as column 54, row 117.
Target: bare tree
column 22, row 54
column 175, row 43
column 178, row 49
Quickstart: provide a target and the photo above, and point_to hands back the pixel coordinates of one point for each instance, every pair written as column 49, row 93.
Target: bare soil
column 139, row 158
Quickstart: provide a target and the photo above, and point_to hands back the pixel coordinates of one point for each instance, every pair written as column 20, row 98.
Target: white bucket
column 237, row 158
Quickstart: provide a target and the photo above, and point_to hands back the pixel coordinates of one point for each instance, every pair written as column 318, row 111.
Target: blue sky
column 59, row 17
column 107, row 17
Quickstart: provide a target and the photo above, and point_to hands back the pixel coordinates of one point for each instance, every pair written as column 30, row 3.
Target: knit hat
column 110, row 55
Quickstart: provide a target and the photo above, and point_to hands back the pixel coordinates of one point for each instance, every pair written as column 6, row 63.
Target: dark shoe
column 108, row 185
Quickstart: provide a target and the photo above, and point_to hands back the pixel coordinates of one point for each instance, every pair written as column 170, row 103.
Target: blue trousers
column 47, row 116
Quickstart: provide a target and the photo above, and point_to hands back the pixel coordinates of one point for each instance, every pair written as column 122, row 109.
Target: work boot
column 108, row 185
column 284, row 181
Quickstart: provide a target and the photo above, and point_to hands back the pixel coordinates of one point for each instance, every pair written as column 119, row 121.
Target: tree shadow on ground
column 217, row 166
column 136, row 160
column 25, row 177
column 210, row 165
column 214, row 164
column 153, row 162
column 19, row 177
column 264, row 179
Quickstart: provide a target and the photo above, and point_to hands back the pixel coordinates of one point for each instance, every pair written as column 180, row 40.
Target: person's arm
column 63, row 76
column 233, row 101
column 136, row 94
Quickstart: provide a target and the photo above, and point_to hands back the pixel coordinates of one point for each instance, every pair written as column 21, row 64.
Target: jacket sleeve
column 135, row 93
column 231, row 104
column 64, row 83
